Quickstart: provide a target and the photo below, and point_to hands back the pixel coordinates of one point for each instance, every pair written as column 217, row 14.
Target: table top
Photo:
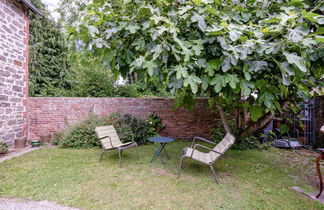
column 160, row 139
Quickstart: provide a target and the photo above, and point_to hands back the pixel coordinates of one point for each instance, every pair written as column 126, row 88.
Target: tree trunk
column 222, row 116
column 263, row 121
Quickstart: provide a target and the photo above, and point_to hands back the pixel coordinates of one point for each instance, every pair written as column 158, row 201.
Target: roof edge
column 30, row 6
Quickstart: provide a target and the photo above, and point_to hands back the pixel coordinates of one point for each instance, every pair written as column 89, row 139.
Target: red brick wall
column 49, row 115
column 14, row 37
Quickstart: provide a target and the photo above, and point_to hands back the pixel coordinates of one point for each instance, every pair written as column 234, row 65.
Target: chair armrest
column 109, row 141
column 202, row 139
column 199, row 145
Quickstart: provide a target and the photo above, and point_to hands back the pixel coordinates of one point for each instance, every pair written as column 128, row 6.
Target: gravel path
column 17, row 204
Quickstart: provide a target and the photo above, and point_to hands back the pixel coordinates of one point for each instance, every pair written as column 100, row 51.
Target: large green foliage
column 82, row 135
column 48, row 67
column 257, row 54
column 92, row 79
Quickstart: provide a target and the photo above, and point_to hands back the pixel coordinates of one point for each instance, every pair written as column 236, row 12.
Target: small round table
column 158, row 149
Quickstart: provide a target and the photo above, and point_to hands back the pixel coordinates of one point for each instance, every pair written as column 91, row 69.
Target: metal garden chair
column 207, row 158
column 109, row 140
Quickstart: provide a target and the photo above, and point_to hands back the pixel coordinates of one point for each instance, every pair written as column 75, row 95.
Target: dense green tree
column 70, row 10
column 253, row 55
column 48, row 67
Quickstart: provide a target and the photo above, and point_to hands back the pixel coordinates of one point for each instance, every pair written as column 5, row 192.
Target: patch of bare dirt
column 163, row 172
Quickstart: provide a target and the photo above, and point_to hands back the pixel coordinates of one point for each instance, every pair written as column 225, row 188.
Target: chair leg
column 180, row 166
column 120, row 158
column 137, row 152
column 212, row 169
column 102, row 155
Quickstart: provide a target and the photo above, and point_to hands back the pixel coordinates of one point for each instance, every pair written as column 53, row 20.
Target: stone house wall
column 14, row 38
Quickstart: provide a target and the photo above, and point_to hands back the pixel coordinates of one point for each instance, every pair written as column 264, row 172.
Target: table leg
column 157, row 153
column 166, row 153
column 318, row 159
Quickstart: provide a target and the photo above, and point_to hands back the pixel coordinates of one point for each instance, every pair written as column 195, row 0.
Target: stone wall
column 50, row 115
column 14, row 37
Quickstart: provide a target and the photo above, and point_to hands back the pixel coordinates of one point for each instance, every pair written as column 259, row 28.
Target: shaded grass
column 248, row 180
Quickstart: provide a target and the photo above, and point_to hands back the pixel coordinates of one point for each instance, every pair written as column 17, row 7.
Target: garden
column 258, row 66
column 250, row 175
column 260, row 179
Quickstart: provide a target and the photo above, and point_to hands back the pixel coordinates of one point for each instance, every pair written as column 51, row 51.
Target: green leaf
column 286, row 80
column 255, row 112
column 247, row 76
column 132, row 28
column 192, row 80
column 257, row 66
column 217, row 82
column 212, row 66
column 139, row 43
column 181, row 71
column 218, row 87
column 195, row 78
column 204, row 81
column 233, row 80
column 226, row 64
column 319, row 19
column 319, row 38
column 138, row 62
column 285, row 68
column 267, row 99
column 198, row 48
column 295, row 59
column 272, row 20
column 246, row 86
column 93, row 31
column 235, row 34
column 309, row 15
column 201, row 21
column 157, row 50
column 216, row 79
column 150, row 65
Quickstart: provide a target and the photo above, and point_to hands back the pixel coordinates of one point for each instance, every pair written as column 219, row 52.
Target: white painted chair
column 207, row 158
column 110, row 140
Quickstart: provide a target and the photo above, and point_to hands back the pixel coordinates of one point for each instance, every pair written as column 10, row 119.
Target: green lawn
column 75, row 177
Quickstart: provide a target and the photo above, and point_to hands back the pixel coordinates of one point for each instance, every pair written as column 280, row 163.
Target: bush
column 137, row 125
column 82, row 135
column 155, row 125
column 241, row 142
column 128, row 91
column 3, row 147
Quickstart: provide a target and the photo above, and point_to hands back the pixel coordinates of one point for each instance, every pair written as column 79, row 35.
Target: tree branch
column 222, row 115
column 262, row 122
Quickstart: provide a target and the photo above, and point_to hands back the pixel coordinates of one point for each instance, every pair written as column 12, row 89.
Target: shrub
column 82, row 135
column 3, row 147
column 128, row 90
column 137, row 125
column 155, row 125
column 241, row 142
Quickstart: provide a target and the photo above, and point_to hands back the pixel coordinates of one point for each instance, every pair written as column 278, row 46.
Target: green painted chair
column 207, row 158
column 110, row 140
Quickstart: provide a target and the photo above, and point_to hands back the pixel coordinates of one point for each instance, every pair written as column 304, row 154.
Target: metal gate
column 305, row 123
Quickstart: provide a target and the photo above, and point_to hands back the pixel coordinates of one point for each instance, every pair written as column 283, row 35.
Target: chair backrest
column 222, row 146
column 105, row 133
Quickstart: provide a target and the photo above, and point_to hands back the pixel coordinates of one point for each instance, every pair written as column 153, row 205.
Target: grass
column 250, row 179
